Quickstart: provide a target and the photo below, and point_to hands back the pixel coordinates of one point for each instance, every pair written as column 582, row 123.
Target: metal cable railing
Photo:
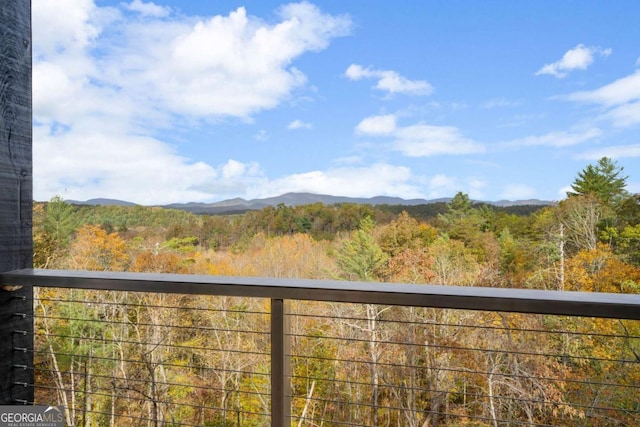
column 465, row 371
column 169, row 359
column 214, row 351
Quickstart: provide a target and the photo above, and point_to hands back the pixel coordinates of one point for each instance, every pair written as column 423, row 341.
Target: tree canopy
column 603, row 180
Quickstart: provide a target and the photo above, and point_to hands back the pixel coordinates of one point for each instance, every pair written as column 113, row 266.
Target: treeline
column 56, row 222
column 508, row 249
column 589, row 241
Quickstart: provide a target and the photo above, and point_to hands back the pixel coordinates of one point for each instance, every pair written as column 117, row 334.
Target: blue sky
column 181, row 101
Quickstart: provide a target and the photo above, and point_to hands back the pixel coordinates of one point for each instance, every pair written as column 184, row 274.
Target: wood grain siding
column 16, row 195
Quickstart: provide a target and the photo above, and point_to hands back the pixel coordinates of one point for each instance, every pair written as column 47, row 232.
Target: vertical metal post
column 16, row 196
column 280, row 364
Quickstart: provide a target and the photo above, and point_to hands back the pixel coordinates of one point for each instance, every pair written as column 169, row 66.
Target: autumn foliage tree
column 95, row 249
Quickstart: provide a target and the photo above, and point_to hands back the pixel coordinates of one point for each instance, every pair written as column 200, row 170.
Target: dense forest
column 589, row 241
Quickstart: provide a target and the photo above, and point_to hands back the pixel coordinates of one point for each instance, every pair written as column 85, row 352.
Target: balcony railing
column 163, row 349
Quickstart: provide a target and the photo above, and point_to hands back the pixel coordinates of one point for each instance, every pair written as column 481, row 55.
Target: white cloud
column 476, row 188
column 232, row 65
column 389, row 81
column 81, row 165
column 614, row 152
column 377, row 125
column 621, row 98
column 62, row 27
column 233, row 169
column 558, row 139
column 261, row 136
column 375, row 180
column 625, row 115
column 499, row 103
column 440, row 185
column 621, row 91
column 299, row 124
column 418, row 140
column 96, row 113
column 423, row 140
column 578, row 58
column 518, row 192
column 348, row 160
column 562, row 192
column 148, row 9
column 236, row 65
column 160, row 175
column 48, row 104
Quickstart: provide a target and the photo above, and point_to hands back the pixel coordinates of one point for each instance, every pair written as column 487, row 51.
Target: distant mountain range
column 295, row 199
column 101, row 202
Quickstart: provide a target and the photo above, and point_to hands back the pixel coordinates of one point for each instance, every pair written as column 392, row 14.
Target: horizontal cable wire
column 142, row 380
column 470, row 394
column 454, row 348
column 402, row 387
column 447, row 414
column 100, row 391
column 154, row 345
column 447, row 369
column 333, row 422
column 508, row 422
column 132, row 361
column 171, row 423
column 403, row 409
column 428, row 322
column 397, row 365
column 181, row 327
column 145, row 399
column 166, row 365
column 130, row 304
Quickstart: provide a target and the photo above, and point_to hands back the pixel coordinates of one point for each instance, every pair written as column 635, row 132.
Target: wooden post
column 16, row 196
column 280, row 364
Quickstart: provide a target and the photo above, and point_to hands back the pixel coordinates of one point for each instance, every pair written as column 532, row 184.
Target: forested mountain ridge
column 319, row 220
column 295, row 199
column 479, row 244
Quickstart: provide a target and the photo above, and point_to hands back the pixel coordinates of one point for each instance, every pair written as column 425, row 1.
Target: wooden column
column 280, row 364
column 16, row 195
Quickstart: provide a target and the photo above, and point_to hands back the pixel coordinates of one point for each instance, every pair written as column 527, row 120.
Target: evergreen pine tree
column 59, row 221
column 360, row 257
column 604, row 180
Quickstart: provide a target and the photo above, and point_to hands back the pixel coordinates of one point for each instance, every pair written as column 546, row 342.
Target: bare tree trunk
column 306, row 404
column 492, row 406
column 57, row 374
column 112, row 415
column 60, row 385
column 85, row 397
column 72, row 382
